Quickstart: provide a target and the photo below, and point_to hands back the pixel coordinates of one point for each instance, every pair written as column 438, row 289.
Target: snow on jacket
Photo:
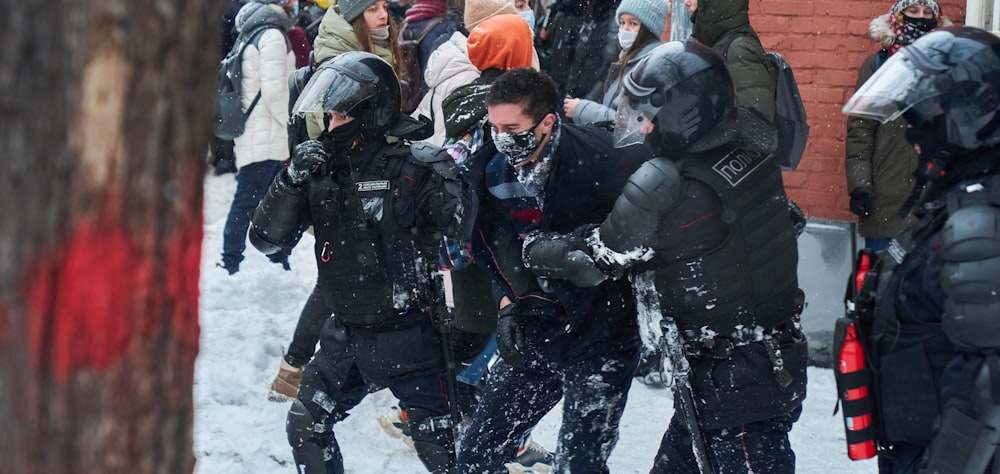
column 589, row 111
column 266, row 66
column 448, row 68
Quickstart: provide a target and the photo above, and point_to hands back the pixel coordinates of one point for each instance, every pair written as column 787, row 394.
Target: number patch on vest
column 738, row 164
column 381, row 185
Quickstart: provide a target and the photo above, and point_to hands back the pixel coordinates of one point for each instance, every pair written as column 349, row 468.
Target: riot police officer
column 935, row 329
column 705, row 230
column 379, row 210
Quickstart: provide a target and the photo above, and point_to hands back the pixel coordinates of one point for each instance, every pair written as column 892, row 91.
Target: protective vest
column 750, row 280
column 909, row 344
column 370, row 260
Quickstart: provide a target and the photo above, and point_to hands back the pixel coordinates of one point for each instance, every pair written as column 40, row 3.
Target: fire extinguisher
column 855, row 397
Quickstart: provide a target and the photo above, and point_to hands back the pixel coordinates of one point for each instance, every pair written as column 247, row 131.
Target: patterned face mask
column 517, row 146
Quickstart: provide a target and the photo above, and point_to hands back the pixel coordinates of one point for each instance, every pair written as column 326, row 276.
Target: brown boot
column 286, row 385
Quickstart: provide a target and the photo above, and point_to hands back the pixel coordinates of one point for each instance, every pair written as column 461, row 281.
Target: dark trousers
column 761, row 446
column 513, row 402
column 307, row 330
column 252, row 182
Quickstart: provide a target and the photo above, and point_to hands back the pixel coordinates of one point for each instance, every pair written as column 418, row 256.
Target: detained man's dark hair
column 533, row 90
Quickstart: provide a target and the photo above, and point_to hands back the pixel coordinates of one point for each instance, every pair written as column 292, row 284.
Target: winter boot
column 286, row 385
column 397, row 425
column 531, row 457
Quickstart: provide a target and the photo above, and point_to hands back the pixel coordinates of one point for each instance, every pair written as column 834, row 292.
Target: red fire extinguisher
column 857, row 402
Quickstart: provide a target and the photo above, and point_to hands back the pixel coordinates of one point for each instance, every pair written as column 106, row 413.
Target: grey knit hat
column 352, row 9
column 651, row 13
column 900, row 5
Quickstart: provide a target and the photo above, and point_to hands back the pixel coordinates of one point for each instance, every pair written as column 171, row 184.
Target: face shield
column 907, row 83
column 332, row 90
column 637, row 107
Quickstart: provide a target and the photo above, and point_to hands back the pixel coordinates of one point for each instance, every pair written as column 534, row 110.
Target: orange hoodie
column 502, row 42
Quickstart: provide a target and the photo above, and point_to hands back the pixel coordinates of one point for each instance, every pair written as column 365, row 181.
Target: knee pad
column 300, row 424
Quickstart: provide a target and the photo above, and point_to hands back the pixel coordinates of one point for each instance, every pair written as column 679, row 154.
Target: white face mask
column 380, row 34
column 627, row 38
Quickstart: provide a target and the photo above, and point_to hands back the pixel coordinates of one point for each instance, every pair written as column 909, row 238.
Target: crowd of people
column 570, row 173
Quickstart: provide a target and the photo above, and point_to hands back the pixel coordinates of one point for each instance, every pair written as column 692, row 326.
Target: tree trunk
column 104, row 124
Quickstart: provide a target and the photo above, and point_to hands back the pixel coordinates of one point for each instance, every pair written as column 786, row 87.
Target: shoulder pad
column 436, row 157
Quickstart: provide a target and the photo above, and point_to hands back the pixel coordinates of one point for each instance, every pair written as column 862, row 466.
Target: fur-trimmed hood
column 880, row 29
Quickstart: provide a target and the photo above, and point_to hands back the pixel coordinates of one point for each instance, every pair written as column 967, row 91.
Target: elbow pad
column 970, row 276
column 655, row 187
column 275, row 222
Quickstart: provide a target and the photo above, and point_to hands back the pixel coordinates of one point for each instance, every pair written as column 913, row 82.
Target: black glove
column 861, row 204
column 308, row 157
column 510, row 337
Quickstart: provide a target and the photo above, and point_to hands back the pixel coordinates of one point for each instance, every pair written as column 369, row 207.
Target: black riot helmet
column 358, row 84
column 683, row 90
column 950, row 76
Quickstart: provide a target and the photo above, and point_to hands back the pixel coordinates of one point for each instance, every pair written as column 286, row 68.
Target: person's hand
column 510, row 337
column 861, row 204
column 569, row 105
column 306, row 160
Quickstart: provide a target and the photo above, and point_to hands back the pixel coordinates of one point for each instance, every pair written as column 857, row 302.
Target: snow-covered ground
column 247, row 320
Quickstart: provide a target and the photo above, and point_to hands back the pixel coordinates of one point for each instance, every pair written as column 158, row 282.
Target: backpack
column 789, row 114
column 411, row 76
column 230, row 118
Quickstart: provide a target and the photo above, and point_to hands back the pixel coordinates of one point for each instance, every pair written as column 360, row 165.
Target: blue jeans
column 513, row 401
column 252, row 182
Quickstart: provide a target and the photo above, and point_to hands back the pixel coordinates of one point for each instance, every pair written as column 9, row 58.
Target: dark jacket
column 880, row 162
column 558, row 51
column 467, row 105
column 724, row 25
column 596, row 48
column 586, row 177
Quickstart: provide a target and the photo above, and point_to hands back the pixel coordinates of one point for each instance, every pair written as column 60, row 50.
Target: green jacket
column 879, row 162
column 724, row 25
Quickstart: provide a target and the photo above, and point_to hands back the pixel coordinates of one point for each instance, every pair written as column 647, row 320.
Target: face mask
column 341, row 137
column 380, row 34
column 627, row 38
column 529, row 16
column 517, row 146
column 922, row 25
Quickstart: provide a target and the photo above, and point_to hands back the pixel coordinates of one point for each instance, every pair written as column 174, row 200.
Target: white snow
column 247, row 321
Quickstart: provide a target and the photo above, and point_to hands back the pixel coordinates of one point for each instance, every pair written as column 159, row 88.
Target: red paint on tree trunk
column 96, row 293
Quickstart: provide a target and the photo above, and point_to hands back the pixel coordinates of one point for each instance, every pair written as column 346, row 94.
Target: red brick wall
column 825, row 41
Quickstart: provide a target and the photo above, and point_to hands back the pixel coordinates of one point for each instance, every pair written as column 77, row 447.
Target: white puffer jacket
column 266, row 67
column 448, row 68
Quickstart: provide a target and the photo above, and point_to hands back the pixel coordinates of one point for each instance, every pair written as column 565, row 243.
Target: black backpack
column 789, row 114
column 229, row 115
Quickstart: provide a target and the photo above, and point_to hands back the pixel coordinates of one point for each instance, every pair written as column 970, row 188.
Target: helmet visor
column 907, row 82
column 637, row 107
column 331, row 90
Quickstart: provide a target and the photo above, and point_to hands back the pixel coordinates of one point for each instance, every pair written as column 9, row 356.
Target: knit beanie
column 478, row 10
column 352, row 9
column 501, row 42
column 651, row 13
column 900, row 5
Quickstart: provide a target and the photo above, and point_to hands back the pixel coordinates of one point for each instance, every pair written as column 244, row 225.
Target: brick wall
column 825, row 41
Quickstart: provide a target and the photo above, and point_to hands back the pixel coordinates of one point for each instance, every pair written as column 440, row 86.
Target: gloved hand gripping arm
column 275, row 222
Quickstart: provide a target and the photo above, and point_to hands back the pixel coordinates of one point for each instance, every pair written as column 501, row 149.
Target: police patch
column 381, row 185
column 738, row 164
